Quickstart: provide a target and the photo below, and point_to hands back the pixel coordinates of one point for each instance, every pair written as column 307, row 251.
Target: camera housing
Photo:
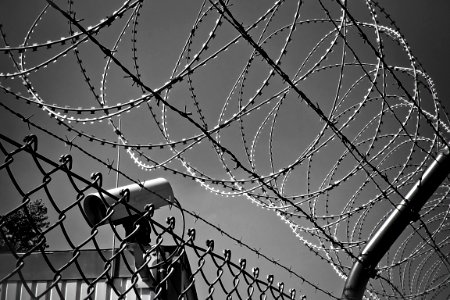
column 155, row 191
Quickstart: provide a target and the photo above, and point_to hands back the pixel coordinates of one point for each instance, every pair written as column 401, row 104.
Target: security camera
column 156, row 191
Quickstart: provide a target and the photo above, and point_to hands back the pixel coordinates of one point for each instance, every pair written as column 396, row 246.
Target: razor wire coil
column 385, row 120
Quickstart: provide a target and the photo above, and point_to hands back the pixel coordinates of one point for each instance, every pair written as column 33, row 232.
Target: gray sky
column 162, row 32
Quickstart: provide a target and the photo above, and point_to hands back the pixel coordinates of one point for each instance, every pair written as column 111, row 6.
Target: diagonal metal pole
column 408, row 210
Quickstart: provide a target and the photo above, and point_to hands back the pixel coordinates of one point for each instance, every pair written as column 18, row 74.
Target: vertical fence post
column 407, row 211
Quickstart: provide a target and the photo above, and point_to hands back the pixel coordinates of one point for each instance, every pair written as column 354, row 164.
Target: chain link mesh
column 222, row 277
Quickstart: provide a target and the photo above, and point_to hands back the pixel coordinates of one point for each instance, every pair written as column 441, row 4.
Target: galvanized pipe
column 407, row 211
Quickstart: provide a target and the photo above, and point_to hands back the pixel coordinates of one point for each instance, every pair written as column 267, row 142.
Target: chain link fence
column 217, row 273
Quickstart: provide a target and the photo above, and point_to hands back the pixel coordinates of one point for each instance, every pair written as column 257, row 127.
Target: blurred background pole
column 113, row 247
column 408, row 210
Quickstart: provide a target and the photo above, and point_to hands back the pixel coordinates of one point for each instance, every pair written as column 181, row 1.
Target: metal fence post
column 399, row 219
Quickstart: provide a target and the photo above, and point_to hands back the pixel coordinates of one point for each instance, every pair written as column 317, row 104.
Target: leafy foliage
column 20, row 230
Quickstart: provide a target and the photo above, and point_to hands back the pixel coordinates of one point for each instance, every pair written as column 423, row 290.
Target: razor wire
column 374, row 124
